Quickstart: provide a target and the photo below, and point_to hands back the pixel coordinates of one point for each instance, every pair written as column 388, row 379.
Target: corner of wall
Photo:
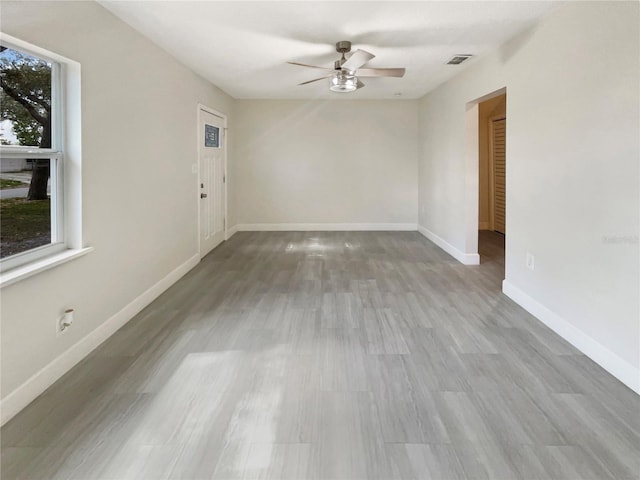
column 464, row 258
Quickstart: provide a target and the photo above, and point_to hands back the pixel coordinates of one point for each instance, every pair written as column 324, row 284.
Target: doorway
column 492, row 225
column 212, row 192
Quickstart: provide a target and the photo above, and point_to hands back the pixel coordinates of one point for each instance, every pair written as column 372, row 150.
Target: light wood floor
column 342, row 355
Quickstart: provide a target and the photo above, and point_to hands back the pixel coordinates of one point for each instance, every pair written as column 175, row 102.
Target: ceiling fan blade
column 380, row 72
column 314, row 80
column 310, row 66
column 358, row 59
column 359, row 84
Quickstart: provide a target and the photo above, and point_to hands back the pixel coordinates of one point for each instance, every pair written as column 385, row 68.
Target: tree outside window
column 26, row 119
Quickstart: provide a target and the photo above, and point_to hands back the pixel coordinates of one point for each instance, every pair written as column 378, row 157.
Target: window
column 39, row 154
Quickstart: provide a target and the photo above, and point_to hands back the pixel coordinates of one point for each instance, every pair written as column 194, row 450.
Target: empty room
column 320, row 240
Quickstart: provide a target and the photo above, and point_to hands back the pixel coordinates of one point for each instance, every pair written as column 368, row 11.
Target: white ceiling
column 242, row 47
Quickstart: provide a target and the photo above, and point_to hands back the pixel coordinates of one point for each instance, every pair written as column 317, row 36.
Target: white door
column 211, row 151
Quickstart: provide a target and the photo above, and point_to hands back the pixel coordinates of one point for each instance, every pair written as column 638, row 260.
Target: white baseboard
column 231, row 232
column 483, row 225
column 324, row 227
column 464, row 258
column 40, row 381
column 610, row 361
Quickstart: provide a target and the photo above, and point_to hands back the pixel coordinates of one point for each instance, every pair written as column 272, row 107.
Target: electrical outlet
column 530, row 261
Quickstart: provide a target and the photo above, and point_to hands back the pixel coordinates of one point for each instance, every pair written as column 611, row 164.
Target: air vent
column 458, row 59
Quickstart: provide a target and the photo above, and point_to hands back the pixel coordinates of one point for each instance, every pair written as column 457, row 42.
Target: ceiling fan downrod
column 342, row 47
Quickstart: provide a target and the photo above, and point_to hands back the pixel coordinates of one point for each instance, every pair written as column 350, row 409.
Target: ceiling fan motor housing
column 343, row 47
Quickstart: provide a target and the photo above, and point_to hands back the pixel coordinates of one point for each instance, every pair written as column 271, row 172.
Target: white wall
column 572, row 173
column 139, row 193
column 326, row 162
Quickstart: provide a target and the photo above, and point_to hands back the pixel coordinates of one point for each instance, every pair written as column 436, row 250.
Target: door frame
column 471, row 175
column 199, row 137
column 492, row 182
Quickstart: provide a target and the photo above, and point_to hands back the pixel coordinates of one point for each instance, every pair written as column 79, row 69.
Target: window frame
column 65, row 156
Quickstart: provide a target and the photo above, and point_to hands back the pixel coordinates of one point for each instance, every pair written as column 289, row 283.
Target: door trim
column 202, row 107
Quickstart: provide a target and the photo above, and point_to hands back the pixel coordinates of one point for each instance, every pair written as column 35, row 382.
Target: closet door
column 498, row 133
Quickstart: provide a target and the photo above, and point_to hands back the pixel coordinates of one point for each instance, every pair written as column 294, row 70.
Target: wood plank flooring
column 341, row 355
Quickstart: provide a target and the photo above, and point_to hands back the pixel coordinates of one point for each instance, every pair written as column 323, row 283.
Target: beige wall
column 572, row 172
column 494, row 107
column 326, row 162
column 139, row 192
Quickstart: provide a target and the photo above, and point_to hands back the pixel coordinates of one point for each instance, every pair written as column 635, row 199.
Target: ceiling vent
column 458, row 59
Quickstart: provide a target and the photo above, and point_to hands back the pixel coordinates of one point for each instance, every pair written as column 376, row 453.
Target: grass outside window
column 24, row 225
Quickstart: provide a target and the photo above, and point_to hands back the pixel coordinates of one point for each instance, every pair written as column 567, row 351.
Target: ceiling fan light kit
column 343, row 77
column 343, row 82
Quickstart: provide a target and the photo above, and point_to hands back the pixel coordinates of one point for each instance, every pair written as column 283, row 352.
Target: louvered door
column 498, row 150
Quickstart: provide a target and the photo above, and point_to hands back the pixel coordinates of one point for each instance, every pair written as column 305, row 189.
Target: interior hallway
column 331, row 355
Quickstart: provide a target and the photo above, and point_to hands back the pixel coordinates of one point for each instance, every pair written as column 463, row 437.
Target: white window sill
column 25, row 271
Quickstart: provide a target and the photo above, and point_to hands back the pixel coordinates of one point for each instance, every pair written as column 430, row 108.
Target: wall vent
column 458, row 59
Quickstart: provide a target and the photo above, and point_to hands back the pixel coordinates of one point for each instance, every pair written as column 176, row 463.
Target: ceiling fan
column 343, row 77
